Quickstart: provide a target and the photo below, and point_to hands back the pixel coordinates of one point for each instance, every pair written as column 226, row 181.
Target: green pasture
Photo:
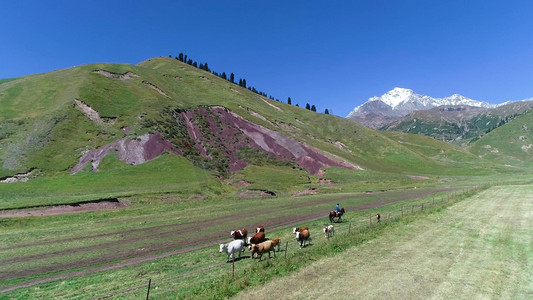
column 83, row 236
column 166, row 174
column 478, row 248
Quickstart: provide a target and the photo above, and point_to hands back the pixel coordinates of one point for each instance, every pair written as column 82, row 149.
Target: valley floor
column 481, row 247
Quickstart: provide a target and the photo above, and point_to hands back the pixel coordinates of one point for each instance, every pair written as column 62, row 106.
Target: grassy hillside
column 511, row 144
column 460, row 125
column 43, row 128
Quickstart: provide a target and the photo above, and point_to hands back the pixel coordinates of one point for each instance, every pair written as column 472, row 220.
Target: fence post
column 286, row 247
column 148, row 292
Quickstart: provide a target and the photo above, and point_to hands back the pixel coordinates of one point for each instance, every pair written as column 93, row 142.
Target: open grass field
column 475, row 249
column 173, row 242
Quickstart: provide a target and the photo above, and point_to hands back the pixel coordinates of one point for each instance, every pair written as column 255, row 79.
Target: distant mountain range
column 399, row 102
column 454, row 119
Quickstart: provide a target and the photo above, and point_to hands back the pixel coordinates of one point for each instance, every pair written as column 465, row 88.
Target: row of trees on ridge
column 231, row 78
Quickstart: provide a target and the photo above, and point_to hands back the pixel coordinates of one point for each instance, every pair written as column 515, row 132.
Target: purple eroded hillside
column 215, row 133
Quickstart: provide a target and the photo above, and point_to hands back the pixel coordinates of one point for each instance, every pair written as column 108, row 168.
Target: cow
column 303, row 237
column 257, row 238
column 277, row 243
column 378, row 217
column 260, row 228
column 240, row 234
column 231, row 248
column 329, row 231
column 263, row 247
column 299, row 229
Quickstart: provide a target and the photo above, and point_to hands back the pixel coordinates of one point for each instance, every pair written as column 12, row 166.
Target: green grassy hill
column 460, row 125
column 44, row 128
column 510, row 144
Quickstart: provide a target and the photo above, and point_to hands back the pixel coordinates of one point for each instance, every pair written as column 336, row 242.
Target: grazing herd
column 258, row 244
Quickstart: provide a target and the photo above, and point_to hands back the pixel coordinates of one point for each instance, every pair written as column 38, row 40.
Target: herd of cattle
column 258, row 244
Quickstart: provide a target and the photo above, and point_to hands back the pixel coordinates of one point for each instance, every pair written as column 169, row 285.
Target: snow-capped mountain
column 394, row 104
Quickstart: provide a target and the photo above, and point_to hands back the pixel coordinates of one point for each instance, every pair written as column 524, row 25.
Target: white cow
column 329, row 231
column 232, row 247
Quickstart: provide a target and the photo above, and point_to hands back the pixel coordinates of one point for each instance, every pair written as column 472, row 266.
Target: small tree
column 232, row 78
column 326, row 112
column 194, row 64
column 240, row 80
column 289, row 101
column 307, row 106
column 244, row 83
column 180, row 57
column 313, row 108
column 223, row 75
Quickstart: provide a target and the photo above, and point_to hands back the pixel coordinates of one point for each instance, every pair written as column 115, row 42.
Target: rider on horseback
column 337, row 208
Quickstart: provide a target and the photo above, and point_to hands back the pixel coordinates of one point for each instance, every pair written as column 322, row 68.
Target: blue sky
column 333, row 54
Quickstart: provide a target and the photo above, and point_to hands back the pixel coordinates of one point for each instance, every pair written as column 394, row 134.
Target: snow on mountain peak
column 403, row 101
column 394, row 97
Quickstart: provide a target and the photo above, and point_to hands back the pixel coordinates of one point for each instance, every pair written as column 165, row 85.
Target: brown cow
column 240, row 234
column 261, row 248
column 299, row 229
column 302, row 237
column 257, row 238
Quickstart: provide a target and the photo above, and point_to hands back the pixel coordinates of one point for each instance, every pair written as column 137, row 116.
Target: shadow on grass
column 238, row 259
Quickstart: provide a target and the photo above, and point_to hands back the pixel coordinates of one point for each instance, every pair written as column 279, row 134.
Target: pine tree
column 240, row 80
column 307, row 106
column 289, row 101
column 244, row 83
column 232, row 78
column 185, row 59
column 189, row 62
column 201, row 66
column 180, row 57
column 206, row 68
column 194, row 64
column 326, row 112
column 223, row 75
column 313, row 108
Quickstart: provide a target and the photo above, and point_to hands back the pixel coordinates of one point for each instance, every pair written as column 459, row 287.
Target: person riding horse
column 336, row 213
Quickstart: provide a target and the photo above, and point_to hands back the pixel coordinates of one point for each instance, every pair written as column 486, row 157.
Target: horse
column 336, row 214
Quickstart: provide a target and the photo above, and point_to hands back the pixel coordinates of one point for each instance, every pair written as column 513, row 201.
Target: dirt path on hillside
column 130, row 256
column 62, row 209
